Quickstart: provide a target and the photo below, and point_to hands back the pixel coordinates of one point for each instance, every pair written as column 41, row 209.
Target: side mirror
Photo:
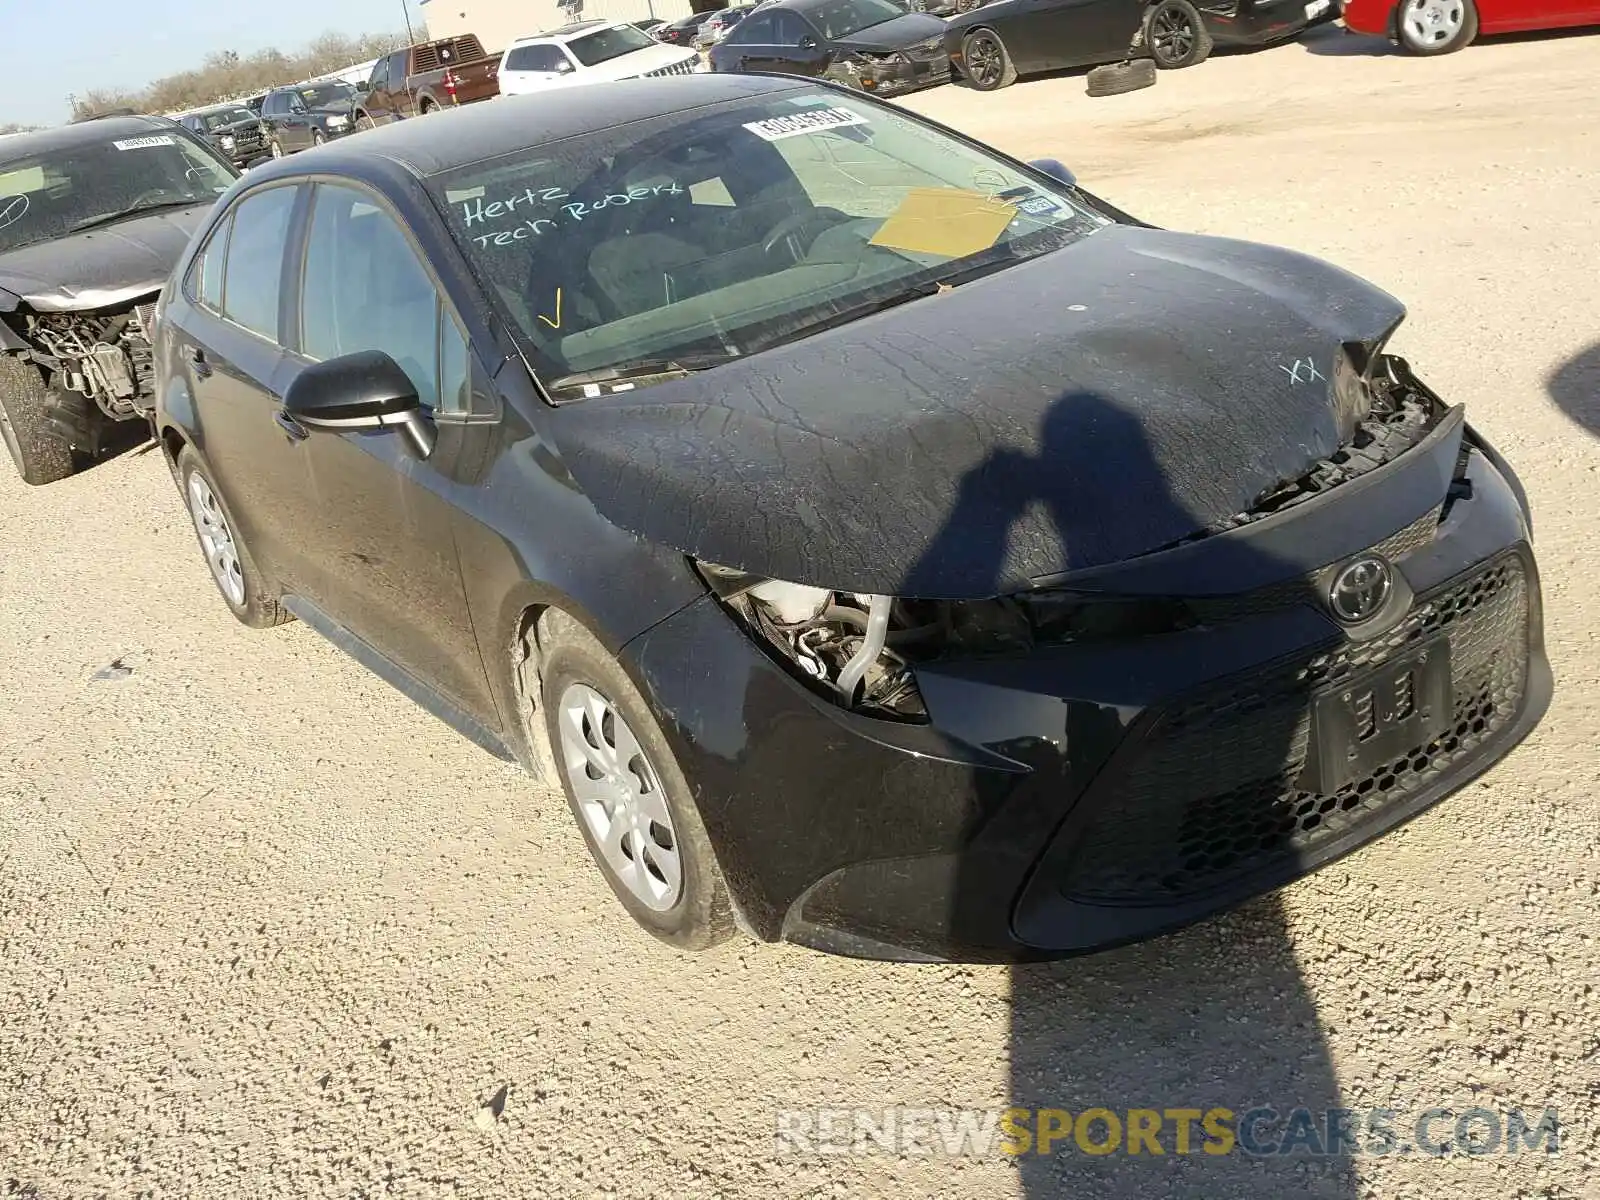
column 1056, row 169
column 563, row 67
column 807, row 42
column 365, row 390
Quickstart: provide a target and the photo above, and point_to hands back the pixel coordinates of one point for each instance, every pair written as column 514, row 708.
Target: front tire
column 232, row 569
column 1429, row 27
column 631, row 800
column 986, row 62
column 39, row 453
column 316, row 138
column 1176, row 35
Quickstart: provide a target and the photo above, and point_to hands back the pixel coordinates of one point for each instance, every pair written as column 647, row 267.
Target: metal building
column 497, row 22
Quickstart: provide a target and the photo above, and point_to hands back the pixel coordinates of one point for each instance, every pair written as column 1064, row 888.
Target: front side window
column 59, row 192
column 724, row 229
column 757, row 31
column 251, row 282
column 792, row 28
column 366, row 289
column 594, row 48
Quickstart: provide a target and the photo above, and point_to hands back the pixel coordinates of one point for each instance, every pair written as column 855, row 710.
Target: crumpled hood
column 338, row 108
column 896, row 34
column 1093, row 404
column 109, row 265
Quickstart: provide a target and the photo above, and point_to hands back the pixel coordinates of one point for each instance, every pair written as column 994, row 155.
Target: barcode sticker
column 145, row 143
column 776, row 128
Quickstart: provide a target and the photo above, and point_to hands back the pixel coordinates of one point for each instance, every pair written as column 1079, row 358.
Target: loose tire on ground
column 40, row 455
column 247, row 602
column 1116, row 78
column 1176, row 35
column 576, row 669
column 1429, row 27
column 995, row 69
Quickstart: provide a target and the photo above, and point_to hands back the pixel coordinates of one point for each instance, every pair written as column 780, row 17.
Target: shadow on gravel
column 1214, row 1017
column 1575, row 387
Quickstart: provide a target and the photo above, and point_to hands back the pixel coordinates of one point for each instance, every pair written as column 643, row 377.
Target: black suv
column 298, row 118
column 233, row 129
column 93, row 216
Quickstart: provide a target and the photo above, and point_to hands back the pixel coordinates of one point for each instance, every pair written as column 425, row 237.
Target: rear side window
column 535, row 58
column 253, row 276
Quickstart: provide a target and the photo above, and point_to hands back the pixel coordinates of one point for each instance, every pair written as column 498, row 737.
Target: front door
column 385, row 558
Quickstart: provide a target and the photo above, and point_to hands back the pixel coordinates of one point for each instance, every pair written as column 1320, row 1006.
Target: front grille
column 1215, row 791
column 686, row 67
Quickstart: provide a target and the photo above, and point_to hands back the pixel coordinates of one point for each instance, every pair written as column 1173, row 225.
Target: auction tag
column 777, row 128
column 145, row 143
column 1038, row 206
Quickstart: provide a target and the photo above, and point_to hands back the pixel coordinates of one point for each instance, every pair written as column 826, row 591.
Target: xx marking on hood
column 1303, row 371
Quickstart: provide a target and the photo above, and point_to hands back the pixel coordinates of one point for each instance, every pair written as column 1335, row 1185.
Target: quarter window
column 207, row 287
column 366, row 289
column 253, row 276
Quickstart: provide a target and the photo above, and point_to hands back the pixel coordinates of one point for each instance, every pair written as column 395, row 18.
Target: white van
column 589, row 52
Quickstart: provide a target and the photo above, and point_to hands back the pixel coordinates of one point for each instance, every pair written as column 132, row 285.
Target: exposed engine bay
column 105, row 355
column 860, row 649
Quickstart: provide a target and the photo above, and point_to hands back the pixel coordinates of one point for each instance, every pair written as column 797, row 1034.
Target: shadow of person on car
column 1575, row 387
column 1214, row 1017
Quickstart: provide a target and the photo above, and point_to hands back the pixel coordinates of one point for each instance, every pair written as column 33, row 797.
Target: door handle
column 291, row 428
column 196, row 358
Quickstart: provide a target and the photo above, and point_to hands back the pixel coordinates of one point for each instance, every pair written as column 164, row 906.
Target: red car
column 1440, row 26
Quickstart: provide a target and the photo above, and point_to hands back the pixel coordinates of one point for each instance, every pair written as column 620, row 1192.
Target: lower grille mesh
column 1212, row 795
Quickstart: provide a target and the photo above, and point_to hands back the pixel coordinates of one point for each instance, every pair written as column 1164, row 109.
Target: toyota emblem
column 1360, row 588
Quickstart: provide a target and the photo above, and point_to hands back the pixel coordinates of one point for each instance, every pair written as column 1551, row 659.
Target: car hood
column 342, row 108
column 98, row 267
column 1103, row 401
column 895, row 34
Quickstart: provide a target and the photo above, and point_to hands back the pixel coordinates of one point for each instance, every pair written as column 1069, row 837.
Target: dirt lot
column 267, row 929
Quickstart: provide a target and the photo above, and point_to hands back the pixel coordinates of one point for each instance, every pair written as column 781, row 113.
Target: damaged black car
column 92, row 218
column 889, row 546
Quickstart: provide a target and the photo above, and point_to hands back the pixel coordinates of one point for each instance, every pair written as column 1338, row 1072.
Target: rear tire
column 1175, row 34
column 666, row 874
column 232, row 569
column 40, row 455
column 994, row 69
column 1117, row 78
column 1429, row 27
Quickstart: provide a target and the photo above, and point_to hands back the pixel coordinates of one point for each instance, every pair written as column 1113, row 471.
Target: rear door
column 383, row 521
column 229, row 341
column 1064, row 33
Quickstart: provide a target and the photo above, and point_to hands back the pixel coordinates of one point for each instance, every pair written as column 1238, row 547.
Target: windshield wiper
column 606, row 378
column 120, row 214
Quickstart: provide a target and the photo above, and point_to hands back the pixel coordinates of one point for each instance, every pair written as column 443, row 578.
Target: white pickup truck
column 589, row 52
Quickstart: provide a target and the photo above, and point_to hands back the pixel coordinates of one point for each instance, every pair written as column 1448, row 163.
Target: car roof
column 577, row 27
column 477, row 131
column 84, row 133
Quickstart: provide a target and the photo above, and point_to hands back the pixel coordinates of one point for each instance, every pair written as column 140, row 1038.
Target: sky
column 57, row 47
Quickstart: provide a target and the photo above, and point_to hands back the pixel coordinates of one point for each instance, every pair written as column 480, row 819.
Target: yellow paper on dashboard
column 946, row 221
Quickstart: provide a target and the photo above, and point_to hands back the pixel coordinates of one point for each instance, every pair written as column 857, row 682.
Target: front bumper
column 1090, row 795
column 1254, row 23
column 893, row 75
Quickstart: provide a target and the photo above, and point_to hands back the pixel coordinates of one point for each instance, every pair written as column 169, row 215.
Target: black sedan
column 681, row 32
column 992, row 45
column 870, row 45
column 887, row 545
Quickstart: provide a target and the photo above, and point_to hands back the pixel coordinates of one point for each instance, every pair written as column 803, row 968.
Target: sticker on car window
column 145, row 143
column 1038, row 205
column 775, row 129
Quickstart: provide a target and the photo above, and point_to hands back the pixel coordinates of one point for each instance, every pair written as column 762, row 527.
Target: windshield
column 843, row 18
column 45, row 196
column 324, row 94
column 227, row 116
column 726, row 228
column 594, row 48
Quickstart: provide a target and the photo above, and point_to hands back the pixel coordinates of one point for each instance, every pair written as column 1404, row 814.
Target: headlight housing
column 860, row 651
column 226, row 141
column 338, row 122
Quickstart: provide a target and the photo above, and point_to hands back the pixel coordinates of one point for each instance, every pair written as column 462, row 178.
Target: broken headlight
column 861, row 650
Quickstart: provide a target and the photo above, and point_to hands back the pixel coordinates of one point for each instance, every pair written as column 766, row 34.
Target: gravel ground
column 267, row 929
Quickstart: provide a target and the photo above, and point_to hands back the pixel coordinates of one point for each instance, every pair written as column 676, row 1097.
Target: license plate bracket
column 1376, row 717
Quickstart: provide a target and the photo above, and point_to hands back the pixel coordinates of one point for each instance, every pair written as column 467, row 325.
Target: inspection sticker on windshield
column 145, row 143
column 1038, row 206
column 777, row 128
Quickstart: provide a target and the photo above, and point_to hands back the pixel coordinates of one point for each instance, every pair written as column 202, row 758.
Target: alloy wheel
column 1428, row 23
column 984, row 61
column 1172, row 35
column 216, row 540
column 620, row 798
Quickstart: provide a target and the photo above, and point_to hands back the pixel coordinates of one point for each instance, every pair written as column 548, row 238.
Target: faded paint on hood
column 98, row 267
column 1087, row 406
